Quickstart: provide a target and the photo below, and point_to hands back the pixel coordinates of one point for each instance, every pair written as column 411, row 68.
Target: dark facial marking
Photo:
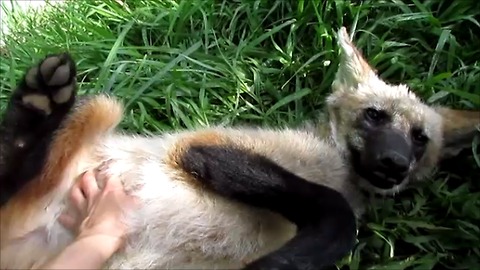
column 388, row 153
column 420, row 141
column 376, row 117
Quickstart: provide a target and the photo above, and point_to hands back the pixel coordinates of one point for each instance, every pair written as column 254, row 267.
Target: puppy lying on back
column 217, row 197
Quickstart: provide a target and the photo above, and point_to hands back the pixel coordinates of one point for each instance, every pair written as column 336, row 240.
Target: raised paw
column 50, row 84
column 38, row 105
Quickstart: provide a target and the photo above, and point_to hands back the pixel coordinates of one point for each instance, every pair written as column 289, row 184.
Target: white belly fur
column 179, row 226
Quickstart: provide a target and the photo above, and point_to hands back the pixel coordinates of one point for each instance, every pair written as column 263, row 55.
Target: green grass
column 179, row 64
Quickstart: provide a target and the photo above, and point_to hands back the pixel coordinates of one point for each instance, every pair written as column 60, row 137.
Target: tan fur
column 357, row 86
column 458, row 122
column 81, row 130
column 174, row 155
column 171, row 227
column 181, row 225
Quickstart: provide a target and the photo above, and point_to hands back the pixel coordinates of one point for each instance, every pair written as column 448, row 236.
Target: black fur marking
column 326, row 223
column 26, row 130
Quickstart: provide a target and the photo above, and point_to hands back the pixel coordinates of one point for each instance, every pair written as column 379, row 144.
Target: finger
column 132, row 202
column 89, row 185
column 111, row 183
column 101, row 173
column 67, row 221
column 77, row 198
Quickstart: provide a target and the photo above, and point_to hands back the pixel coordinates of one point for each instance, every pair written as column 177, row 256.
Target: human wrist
column 104, row 245
column 86, row 252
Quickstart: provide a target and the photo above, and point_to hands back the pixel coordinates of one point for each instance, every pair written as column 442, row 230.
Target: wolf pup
column 217, row 197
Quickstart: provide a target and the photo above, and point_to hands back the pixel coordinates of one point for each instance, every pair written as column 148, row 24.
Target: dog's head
column 390, row 136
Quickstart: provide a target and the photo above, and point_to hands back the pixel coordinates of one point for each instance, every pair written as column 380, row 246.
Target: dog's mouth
column 378, row 180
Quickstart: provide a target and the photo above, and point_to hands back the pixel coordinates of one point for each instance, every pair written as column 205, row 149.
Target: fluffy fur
column 196, row 186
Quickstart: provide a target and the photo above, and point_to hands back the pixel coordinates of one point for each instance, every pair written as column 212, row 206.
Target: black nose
column 394, row 163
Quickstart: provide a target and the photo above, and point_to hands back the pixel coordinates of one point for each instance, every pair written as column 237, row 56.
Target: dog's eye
column 419, row 137
column 375, row 116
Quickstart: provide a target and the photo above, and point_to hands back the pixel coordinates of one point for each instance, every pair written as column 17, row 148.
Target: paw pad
column 52, row 82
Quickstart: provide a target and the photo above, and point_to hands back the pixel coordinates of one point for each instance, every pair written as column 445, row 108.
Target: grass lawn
column 183, row 63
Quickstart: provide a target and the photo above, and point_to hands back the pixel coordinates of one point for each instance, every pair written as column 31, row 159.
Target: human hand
column 99, row 212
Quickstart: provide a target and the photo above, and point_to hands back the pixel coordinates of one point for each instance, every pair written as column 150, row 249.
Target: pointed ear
column 353, row 68
column 459, row 129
